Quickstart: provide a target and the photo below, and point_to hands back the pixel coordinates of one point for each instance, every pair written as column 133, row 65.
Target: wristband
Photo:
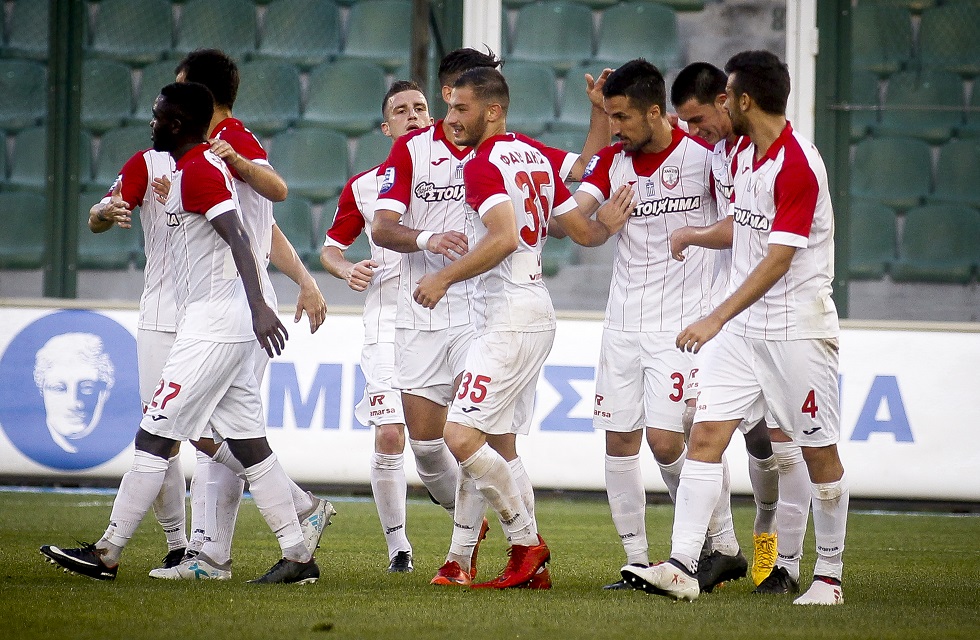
column 422, row 240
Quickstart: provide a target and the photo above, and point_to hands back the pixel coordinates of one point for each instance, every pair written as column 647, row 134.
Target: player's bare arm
column 261, row 177
column 501, row 241
column 592, row 232
column 388, row 232
column 310, row 300
column 103, row 215
column 269, row 331
column 715, row 236
column 773, row 267
column 599, row 132
column 357, row 275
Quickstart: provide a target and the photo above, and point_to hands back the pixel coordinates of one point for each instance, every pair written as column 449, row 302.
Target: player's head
column 634, row 97
column 404, row 109
column 478, row 106
column 215, row 70
column 758, row 81
column 457, row 62
column 698, row 95
column 181, row 114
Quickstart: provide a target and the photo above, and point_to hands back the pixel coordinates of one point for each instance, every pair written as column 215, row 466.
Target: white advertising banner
column 69, row 406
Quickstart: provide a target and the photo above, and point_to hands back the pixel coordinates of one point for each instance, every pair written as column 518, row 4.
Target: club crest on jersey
column 670, row 176
column 651, row 187
column 458, row 174
column 589, row 168
column 388, row 181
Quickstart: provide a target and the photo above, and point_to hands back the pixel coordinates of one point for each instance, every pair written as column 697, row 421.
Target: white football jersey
column 722, row 165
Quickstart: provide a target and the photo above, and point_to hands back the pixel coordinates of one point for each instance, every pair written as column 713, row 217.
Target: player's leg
column 764, row 478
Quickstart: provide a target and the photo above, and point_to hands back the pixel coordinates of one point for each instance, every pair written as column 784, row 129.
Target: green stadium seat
column 228, row 25
column 28, row 163
column 864, row 92
column 972, row 127
column 639, row 29
column 346, row 96
column 28, row 33
column 312, row 161
column 116, row 147
column 133, row 32
column 566, row 140
column 107, row 94
column 22, row 240
column 575, row 110
column 910, row 106
column 303, row 32
column 23, row 94
column 873, row 237
column 940, row 243
column 915, row 6
column 152, row 78
column 269, row 96
column 532, row 97
column 893, row 171
column 380, row 31
column 113, row 249
column 684, row 5
column 881, row 38
column 557, row 253
column 553, row 33
column 294, row 215
column 949, row 38
column 958, row 174
column 372, row 149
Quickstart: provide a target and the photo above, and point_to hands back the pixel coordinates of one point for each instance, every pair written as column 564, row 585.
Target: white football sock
column 793, row 509
column 493, row 478
column 671, row 473
column 697, row 495
column 721, row 529
column 438, row 470
column 199, row 483
column 224, row 495
column 269, row 486
column 170, row 506
column 390, row 491
column 524, row 486
column 471, row 507
column 764, row 477
column 830, row 501
column 137, row 491
column 627, row 503
column 302, row 501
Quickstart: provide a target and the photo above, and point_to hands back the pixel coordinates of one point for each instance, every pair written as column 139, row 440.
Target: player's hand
column 680, row 240
column 311, row 301
column 223, row 150
column 616, row 212
column 451, row 244
column 697, row 334
column 359, row 275
column 117, row 210
column 593, row 87
column 161, row 188
column 430, row 290
column 269, row 331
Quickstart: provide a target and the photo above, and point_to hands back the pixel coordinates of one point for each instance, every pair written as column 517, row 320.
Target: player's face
column 162, row 126
column 466, row 117
column 406, row 111
column 628, row 123
column 707, row 121
column 740, row 124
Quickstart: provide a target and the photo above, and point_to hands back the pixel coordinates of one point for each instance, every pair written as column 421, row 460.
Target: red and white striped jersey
column 512, row 294
column 158, row 310
column 783, row 198
column 211, row 302
column 722, row 164
column 651, row 291
column 355, row 212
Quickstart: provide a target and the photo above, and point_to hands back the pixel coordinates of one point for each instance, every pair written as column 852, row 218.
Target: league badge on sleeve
column 387, row 181
column 589, row 168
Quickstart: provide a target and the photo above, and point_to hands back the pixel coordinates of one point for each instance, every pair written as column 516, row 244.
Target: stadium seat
column 949, row 38
column 881, row 38
column 152, row 78
column 135, row 33
column 958, row 174
column 910, row 101
column 313, row 161
column 684, row 5
column 873, row 237
column 116, row 147
column 639, row 29
column 107, row 94
column 532, row 97
column 915, row 6
column 304, row 32
column 228, row 25
column 28, row 33
column 23, row 94
column 575, row 109
column 553, row 33
column 940, row 243
column 972, row 127
column 22, row 240
column 294, row 216
column 380, row 31
column 893, row 171
column 28, row 163
column 346, row 96
column 864, row 92
column 566, row 140
column 269, row 96
column 372, row 149
column 557, row 253
column 113, row 249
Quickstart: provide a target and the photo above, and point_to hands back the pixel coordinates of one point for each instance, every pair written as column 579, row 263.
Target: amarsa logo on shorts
column 70, row 397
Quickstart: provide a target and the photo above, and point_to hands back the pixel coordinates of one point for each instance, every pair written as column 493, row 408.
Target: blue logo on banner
column 70, row 393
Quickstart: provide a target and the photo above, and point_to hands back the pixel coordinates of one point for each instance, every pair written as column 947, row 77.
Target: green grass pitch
column 906, row 576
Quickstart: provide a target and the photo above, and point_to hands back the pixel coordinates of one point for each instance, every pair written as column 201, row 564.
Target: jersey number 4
column 536, row 205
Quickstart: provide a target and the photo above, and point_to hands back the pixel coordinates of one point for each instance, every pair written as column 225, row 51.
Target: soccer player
column 209, row 374
column 772, row 343
column 776, row 470
column 511, row 188
column 404, row 109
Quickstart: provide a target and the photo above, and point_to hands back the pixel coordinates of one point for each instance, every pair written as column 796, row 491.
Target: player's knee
column 390, row 439
column 757, row 441
column 250, row 451
column 154, row 444
column 666, row 446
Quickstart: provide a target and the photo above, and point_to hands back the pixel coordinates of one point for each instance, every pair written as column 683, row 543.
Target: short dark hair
column 489, row 85
column 641, row 82
column 192, row 104
column 699, row 80
column 397, row 87
column 215, row 70
column 764, row 77
column 461, row 60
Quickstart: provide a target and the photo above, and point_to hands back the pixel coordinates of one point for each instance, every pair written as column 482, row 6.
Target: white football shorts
column 427, row 362
column 381, row 404
column 152, row 349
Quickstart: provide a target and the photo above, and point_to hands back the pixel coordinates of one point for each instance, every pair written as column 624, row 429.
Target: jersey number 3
column 536, row 205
